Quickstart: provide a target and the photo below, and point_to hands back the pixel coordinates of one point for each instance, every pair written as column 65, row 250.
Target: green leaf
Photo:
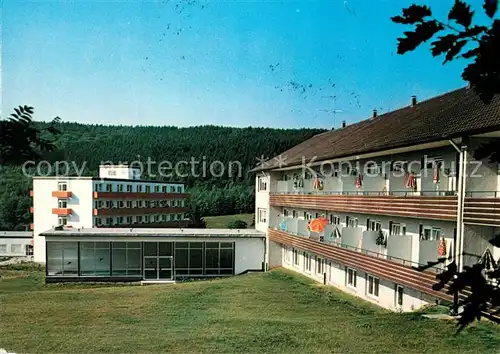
column 490, row 7
column 413, row 14
column 423, row 32
column 461, row 13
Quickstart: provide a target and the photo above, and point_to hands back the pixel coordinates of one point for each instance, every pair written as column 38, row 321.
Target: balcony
column 383, row 265
column 436, row 208
column 153, row 225
column 138, row 211
column 62, row 211
column 62, row 194
column 138, row 195
column 482, row 210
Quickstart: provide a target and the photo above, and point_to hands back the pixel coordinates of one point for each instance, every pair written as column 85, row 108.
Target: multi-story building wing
column 363, row 206
column 118, row 198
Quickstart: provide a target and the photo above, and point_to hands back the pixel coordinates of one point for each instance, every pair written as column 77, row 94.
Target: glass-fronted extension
column 139, row 260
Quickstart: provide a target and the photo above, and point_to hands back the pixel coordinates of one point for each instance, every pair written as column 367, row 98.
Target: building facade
column 371, row 208
column 151, row 255
column 16, row 244
column 118, row 198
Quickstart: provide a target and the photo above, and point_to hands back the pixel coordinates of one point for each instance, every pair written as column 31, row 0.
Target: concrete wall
column 336, row 276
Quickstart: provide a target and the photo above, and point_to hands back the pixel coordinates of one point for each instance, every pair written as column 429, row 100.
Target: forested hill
column 89, row 145
column 96, row 143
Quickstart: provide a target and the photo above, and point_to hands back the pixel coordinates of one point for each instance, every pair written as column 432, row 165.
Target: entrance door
column 165, row 268
column 157, row 268
column 150, row 268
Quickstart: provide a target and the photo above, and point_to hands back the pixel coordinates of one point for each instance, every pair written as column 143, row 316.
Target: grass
column 220, row 222
column 278, row 312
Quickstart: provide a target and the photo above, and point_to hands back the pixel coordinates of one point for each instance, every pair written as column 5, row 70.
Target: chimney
column 343, row 124
column 413, row 101
column 374, row 113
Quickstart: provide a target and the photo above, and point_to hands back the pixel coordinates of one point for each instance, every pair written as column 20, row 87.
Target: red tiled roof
column 450, row 115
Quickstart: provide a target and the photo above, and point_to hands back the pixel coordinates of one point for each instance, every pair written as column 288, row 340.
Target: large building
column 363, row 206
column 118, row 198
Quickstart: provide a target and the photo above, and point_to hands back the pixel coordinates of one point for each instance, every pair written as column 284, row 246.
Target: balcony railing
column 62, row 194
column 139, row 195
column 400, row 271
column 482, row 211
column 434, row 208
column 139, row 211
column 62, row 211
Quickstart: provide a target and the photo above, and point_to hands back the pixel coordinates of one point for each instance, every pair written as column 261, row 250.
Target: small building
column 151, row 255
column 16, row 243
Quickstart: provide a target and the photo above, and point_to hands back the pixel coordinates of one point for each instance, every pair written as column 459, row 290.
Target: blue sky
column 155, row 63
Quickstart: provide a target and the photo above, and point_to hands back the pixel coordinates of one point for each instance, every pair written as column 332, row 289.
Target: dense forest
column 218, row 193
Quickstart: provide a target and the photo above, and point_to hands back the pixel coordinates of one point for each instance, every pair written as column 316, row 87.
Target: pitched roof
column 452, row 114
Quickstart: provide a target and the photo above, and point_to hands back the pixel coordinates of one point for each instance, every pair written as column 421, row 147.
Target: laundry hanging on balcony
column 298, row 182
column 359, row 181
column 411, row 181
column 318, row 224
column 442, row 247
column 435, row 177
column 318, row 183
column 488, row 261
column 282, row 225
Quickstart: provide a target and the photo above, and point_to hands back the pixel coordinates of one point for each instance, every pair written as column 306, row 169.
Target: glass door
column 150, row 268
column 165, row 268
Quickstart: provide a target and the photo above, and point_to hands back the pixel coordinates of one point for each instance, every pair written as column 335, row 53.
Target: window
column 3, row 249
column 372, row 285
column 147, row 204
column 164, row 189
column 351, row 222
column 219, row 257
column 129, row 203
column 334, row 220
column 307, row 262
column 319, row 265
column 373, row 169
column 139, row 203
column 431, row 161
column 111, row 173
column 98, row 187
column 147, row 218
column 126, row 258
column 62, row 220
column 172, row 189
column 399, row 295
column 119, row 220
column 179, row 189
column 287, row 255
column 286, row 212
column 98, row 221
column 157, row 218
column 62, row 203
column 62, row 186
column 351, row 277
column 28, row 249
column 95, row 258
column 179, row 216
column 397, row 229
column 430, row 233
column 307, row 216
column 138, row 218
column 262, row 213
column 295, row 257
column 157, row 189
column 62, row 258
column 108, row 187
column 129, row 188
column 120, row 188
column 129, row 220
column 121, row 204
column 15, row 248
column 148, row 189
column 262, row 184
column 373, row 225
column 109, row 204
column 295, row 214
column 139, row 188
column 109, row 221
column 164, row 217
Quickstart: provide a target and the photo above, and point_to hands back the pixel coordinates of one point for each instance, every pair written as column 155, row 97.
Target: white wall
column 81, row 204
column 13, row 247
column 336, row 276
column 116, row 171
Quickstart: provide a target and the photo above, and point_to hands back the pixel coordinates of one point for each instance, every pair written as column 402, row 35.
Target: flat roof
column 16, row 234
column 159, row 232
column 105, row 179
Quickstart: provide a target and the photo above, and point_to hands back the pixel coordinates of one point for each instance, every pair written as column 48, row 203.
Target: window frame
column 351, row 278
column 372, row 286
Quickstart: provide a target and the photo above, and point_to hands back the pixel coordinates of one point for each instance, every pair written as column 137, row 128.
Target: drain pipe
column 462, row 172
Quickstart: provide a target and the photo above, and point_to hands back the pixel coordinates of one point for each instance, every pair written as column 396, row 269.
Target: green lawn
column 220, row 222
column 255, row 313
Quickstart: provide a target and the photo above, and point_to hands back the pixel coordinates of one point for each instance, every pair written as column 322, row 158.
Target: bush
column 237, row 224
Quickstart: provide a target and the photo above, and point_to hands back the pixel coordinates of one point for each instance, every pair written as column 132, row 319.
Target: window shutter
column 390, row 227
